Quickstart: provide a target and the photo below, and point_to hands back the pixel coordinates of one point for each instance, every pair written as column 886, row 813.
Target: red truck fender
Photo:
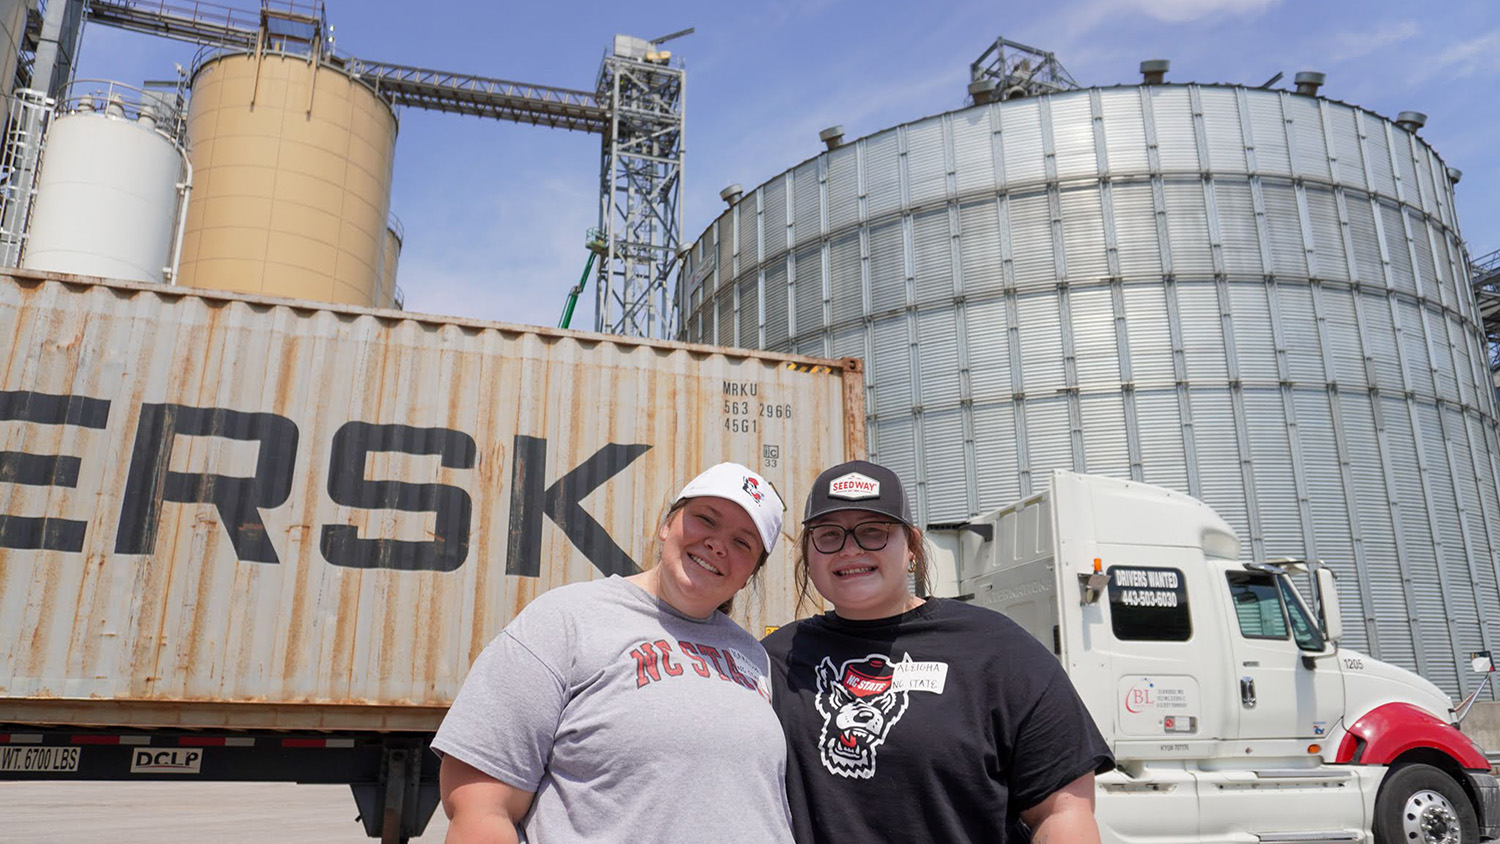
column 1385, row 732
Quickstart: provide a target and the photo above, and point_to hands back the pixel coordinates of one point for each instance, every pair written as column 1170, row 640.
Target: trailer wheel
column 1419, row 804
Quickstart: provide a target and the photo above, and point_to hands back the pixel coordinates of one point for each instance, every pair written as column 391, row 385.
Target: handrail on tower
column 1017, row 70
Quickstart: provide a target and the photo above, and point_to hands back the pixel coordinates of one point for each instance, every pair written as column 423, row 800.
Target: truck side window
column 1309, row 637
column 1257, row 605
column 1147, row 603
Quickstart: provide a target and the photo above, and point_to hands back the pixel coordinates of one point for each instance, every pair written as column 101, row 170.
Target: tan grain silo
column 292, row 164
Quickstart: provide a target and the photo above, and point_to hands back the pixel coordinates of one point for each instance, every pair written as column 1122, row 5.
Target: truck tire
column 1419, row 804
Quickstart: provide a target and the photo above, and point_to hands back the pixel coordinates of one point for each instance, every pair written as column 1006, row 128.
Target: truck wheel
column 1419, row 804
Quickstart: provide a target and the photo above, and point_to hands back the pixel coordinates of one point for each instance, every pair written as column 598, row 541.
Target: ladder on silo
column 25, row 128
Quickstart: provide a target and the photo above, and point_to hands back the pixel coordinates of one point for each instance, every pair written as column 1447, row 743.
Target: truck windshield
column 1304, row 630
column 1266, row 605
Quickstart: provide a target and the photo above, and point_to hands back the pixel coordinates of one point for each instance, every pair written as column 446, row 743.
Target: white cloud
column 1468, row 58
column 1169, row 11
column 1353, row 45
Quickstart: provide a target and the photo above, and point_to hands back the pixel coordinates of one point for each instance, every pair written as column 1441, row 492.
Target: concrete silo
column 1250, row 295
column 292, row 165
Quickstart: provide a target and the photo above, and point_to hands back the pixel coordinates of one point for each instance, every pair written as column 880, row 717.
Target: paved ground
column 171, row 813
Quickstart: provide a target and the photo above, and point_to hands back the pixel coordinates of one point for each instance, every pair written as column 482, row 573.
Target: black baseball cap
column 859, row 485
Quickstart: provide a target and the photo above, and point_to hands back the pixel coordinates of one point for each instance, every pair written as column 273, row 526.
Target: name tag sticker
column 919, row 676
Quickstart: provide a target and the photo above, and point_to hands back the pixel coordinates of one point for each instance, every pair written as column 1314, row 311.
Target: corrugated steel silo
column 292, row 166
column 1253, row 296
column 108, row 195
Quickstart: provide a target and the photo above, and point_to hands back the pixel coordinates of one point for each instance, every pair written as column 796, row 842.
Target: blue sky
column 495, row 213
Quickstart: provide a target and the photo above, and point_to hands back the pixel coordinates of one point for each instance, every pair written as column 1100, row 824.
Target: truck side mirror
column 1328, row 604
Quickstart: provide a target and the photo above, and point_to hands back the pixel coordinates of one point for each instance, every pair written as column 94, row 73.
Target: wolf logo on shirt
column 859, row 704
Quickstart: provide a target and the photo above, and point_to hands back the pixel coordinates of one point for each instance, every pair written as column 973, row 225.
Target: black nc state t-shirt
column 940, row 724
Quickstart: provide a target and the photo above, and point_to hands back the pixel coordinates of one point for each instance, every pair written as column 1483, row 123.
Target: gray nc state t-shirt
column 630, row 721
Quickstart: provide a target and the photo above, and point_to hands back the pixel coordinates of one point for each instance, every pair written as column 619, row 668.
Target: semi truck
column 246, row 538
column 1233, row 712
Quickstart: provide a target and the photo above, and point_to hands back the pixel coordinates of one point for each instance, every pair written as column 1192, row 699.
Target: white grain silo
column 111, row 188
column 1253, row 296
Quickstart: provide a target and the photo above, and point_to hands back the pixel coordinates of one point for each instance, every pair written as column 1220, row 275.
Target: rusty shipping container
column 231, row 512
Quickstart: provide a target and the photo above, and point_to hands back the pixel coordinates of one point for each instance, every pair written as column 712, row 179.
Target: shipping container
column 228, row 512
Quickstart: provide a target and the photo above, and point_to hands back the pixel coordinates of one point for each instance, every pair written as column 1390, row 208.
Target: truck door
column 1149, row 668
column 1280, row 694
column 1267, row 781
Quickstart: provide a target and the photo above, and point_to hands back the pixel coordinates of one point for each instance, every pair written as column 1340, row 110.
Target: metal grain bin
column 220, row 510
column 1252, row 296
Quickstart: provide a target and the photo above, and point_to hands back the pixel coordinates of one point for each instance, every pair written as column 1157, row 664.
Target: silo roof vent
column 1154, row 71
column 833, row 136
column 732, row 194
column 1309, row 81
column 1411, row 121
column 1454, row 174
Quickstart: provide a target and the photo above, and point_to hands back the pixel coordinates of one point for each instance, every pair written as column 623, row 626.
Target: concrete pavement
column 184, row 813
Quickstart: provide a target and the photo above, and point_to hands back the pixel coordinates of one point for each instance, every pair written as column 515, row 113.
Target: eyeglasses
column 871, row 536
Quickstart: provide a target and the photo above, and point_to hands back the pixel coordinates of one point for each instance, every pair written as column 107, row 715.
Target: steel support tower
column 640, row 193
column 1486, row 280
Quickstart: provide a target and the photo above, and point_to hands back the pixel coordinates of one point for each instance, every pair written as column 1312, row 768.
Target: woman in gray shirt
column 630, row 709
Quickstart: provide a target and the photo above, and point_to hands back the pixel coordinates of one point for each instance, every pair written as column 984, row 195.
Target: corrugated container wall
column 238, row 512
column 292, row 168
column 1254, row 297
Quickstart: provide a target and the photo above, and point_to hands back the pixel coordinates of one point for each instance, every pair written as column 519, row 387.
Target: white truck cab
column 1232, row 711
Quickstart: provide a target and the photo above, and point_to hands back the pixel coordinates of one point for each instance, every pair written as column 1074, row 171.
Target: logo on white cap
column 854, row 487
column 752, row 488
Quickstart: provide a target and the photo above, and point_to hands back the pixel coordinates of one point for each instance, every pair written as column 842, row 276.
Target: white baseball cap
column 753, row 493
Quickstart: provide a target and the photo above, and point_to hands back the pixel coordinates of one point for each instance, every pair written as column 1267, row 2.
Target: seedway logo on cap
column 853, row 487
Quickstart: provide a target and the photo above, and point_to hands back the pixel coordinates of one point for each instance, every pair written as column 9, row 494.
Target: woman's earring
column 911, row 565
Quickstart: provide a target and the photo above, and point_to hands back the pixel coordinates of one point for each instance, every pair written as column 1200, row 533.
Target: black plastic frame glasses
column 871, row 536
